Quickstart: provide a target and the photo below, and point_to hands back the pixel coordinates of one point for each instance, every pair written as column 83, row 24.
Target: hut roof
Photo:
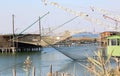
column 114, row 37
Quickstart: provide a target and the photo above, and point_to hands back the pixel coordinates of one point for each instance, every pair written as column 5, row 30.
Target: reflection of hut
column 28, row 61
column 27, row 65
column 105, row 34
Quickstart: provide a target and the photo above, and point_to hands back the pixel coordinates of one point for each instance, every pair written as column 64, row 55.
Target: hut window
column 118, row 41
column 113, row 42
column 108, row 42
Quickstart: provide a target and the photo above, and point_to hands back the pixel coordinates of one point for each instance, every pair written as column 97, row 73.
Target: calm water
column 43, row 60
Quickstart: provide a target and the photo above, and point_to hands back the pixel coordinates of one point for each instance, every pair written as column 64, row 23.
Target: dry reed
column 101, row 66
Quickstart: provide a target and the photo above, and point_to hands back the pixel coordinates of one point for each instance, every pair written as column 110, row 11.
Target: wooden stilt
column 56, row 74
column 14, row 72
column 50, row 73
column 33, row 71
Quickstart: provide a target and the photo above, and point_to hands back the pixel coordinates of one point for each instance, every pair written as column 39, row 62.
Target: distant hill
column 86, row 34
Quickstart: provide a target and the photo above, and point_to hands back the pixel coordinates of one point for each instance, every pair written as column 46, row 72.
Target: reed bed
column 102, row 66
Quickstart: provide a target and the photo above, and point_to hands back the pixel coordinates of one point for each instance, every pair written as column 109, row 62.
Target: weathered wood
column 51, row 68
column 33, row 71
column 56, row 73
column 14, row 72
column 50, row 73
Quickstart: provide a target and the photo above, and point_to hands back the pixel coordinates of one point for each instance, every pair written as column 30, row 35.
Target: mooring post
column 13, row 50
column 63, row 74
column 2, row 50
column 51, row 68
column 33, row 71
column 56, row 73
column 14, row 72
column 50, row 73
column 118, row 64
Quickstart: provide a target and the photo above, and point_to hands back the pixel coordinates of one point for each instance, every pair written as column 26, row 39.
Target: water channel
column 42, row 61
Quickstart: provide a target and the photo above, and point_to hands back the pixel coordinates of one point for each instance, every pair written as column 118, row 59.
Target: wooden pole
column 14, row 72
column 51, row 68
column 13, row 33
column 50, row 73
column 40, row 28
column 33, row 71
column 13, row 28
column 74, row 70
column 56, row 74
column 63, row 74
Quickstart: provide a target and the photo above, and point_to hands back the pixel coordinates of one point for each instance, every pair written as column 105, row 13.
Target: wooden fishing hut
column 113, row 45
column 104, row 36
column 28, row 42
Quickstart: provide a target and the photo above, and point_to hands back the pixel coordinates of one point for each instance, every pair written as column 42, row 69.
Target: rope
column 33, row 23
column 66, row 54
column 59, row 50
column 21, row 35
column 62, row 24
column 80, row 14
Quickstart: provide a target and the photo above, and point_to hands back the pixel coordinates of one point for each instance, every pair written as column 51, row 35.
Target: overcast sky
column 28, row 11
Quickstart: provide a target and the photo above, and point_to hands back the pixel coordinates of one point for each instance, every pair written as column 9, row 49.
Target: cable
column 21, row 35
column 62, row 25
column 80, row 14
column 58, row 49
column 33, row 23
